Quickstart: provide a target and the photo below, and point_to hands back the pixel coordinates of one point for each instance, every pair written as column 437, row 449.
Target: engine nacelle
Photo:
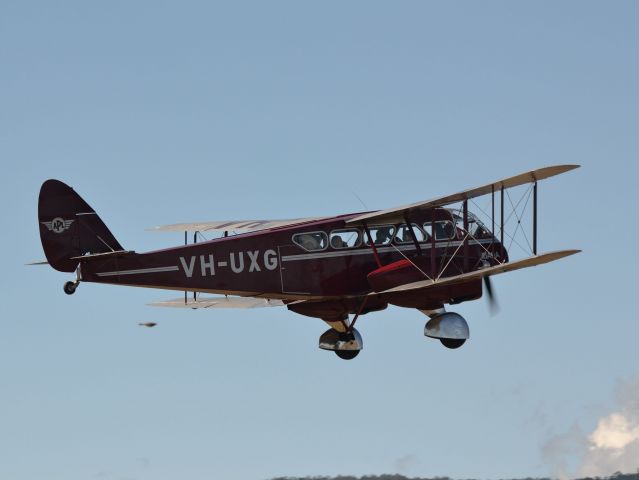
column 447, row 325
column 348, row 341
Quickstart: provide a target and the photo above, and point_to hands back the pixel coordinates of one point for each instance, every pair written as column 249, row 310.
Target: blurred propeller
column 490, row 294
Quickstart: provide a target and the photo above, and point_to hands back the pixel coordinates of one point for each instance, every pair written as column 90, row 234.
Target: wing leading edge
column 398, row 213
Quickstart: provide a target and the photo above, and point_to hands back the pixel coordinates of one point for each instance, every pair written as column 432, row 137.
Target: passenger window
column 311, row 241
column 346, row 238
column 403, row 234
column 444, row 230
column 381, row 234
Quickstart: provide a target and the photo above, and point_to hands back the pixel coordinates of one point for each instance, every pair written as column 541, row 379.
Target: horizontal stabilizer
column 219, row 302
column 485, row 272
column 98, row 256
column 232, row 225
column 41, row 262
column 398, row 213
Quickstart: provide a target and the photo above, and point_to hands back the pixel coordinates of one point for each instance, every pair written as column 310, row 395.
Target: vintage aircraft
column 420, row 256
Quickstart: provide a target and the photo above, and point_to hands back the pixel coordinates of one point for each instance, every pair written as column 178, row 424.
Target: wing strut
column 195, row 241
column 433, row 257
column 466, row 252
column 535, row 219
column 409, row 225
column 370, row 240
column 501, row 227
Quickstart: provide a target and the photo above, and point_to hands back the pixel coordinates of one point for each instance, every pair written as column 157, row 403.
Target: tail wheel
column 452, row 342
column 69, row 288
column 347, row 354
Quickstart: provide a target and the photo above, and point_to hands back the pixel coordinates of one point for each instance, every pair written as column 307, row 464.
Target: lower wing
column 484, row 272
column 219, row 302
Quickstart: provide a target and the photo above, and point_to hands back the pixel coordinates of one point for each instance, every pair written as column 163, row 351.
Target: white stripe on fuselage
column 173, row 268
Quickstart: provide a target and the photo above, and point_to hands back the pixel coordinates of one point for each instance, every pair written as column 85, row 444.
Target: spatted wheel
column 347, row 354
column 452, row 342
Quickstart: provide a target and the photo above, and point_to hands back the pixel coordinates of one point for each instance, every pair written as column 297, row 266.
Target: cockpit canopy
column 354, row 237
column 475, row 227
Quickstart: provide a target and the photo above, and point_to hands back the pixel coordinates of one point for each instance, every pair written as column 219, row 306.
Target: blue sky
column 159, row 112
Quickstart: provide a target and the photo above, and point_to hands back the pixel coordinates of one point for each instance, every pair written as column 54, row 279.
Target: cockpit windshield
column 475, row 227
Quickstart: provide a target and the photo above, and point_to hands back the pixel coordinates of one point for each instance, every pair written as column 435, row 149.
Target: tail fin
column 69, row 227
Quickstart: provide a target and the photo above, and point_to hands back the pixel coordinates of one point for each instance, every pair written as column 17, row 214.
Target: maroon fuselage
column 269, row 264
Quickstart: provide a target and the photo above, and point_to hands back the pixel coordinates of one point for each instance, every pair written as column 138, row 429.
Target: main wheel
column 452, row 342
column 69, row 288
column 346, row 354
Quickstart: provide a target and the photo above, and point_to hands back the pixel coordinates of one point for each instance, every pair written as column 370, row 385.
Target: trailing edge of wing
column 231, row 225
column 397, row 213
column 219, row 302
column 485, row 272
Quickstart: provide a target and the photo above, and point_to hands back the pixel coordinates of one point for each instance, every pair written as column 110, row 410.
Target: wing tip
column 565, row 253
column 569, row 166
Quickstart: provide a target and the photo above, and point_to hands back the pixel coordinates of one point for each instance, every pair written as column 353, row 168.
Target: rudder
column 69, row 227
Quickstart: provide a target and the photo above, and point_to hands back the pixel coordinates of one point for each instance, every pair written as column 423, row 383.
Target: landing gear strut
column 70, row 287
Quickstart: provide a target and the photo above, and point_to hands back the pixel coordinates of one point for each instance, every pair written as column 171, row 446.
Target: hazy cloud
column 612, row 446
column 559, row 449
column 405, row 463
column 614, row 432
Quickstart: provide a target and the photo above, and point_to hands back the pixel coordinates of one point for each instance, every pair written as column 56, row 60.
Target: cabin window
column 347, row 238
column 381, row 234
column 311, row 241
column 403, row 234
column 444, row 230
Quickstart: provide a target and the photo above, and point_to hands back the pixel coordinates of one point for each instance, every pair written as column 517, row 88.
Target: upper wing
column 219, row 302
column 398, row 213
column 232, row 225
column 485, row 272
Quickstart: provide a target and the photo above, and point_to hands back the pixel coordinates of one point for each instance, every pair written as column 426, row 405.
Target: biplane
column 423, row 256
